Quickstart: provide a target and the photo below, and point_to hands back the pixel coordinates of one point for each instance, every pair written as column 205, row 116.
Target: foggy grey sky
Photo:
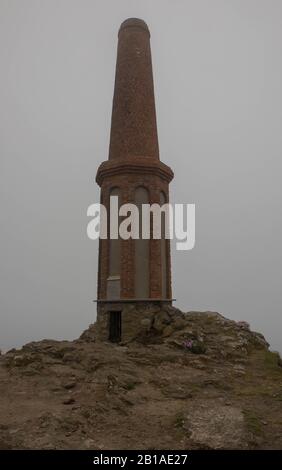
column 218, row 74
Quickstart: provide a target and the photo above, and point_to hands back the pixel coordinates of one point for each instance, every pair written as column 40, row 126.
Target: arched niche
column 114, row 267
column 142, row 250
column 163, row 200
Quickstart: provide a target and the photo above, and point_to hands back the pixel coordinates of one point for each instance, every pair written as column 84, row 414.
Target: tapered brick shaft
column 134, row 127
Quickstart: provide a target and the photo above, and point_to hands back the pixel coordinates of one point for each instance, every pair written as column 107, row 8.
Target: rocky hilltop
column 187, row 381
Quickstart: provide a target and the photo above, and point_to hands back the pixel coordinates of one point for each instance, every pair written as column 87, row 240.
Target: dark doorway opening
column 115, row 327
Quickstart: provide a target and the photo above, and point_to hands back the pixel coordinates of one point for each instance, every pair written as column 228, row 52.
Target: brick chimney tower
column 133, row 275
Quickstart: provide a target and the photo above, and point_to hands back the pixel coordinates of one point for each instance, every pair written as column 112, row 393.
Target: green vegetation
column 253, row 422
column 272, row 359
column 179, row 420
column 129, row 385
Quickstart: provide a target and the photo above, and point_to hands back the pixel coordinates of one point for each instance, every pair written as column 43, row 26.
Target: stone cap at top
column 134, row 23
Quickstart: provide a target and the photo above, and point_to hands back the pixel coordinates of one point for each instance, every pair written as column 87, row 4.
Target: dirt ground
column 205, row 383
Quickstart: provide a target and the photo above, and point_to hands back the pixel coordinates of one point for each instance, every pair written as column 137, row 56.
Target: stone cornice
column 136, row 165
